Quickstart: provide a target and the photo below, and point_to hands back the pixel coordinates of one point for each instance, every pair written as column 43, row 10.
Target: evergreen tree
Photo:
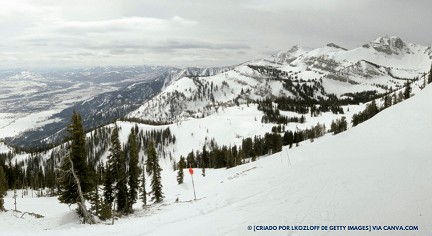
column 430, row 76
column 400, row 97
column 117, row 167
column 341, row 125
column 143, row 187
column 3, row 187
column 407, row 91
column 191, row 159
column 121, row 189
column 108, row 179
column 387, row 101
column 133, row 170
column 78, row 156
column 105, row 211
column 372, row 109
column 155, row 183
column 334, row 128
column 180, row 173
column 150, row 161
column 95, row 201
column 204, row 160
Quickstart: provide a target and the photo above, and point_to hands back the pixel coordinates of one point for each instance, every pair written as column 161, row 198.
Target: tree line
column 76, row 173
column 122, row 178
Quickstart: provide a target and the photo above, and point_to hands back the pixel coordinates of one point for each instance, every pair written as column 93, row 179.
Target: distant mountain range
column 36, row 106
column 380, row 66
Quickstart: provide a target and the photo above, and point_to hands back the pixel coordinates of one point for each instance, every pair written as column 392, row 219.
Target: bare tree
column 88, row 217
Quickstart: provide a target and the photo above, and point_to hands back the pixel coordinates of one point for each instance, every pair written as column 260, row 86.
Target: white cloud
column 199, row 32
column 182, row 21
column 298, row 5
column 16, row 8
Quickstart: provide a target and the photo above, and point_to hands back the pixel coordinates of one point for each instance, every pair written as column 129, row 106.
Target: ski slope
column 377, row 173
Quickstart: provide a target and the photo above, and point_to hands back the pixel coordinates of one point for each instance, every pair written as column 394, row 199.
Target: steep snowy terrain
column 375, row 174
column 228, row 127
column 35, row 107
column 380, row 66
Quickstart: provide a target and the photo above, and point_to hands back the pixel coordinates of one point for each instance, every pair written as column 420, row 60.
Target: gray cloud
column 194, row 32
column 191, row 44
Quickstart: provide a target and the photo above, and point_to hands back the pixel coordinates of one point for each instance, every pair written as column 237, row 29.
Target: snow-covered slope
column 379, row 66
column 376, row 174
column 34, row 100
column 4, row 148
column 35, row 107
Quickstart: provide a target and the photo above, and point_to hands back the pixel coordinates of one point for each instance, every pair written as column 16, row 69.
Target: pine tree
column 78, row 157
column 191, row 159
column 333, row 126
column 155, row 183
column 150, row 161
column 143, row 188
column 387, row 101
column 205, row 160
column 3, row 187
column 96, row 204
column 95, row 201
column 343, row 124
column 180, row 173
column 407, row 92
column 108, row 179
column 430, row 76
column 116, row 170
column 372, row 109
column 121, row 189
column 133, row 170
column 105, row 211
column 400, row 97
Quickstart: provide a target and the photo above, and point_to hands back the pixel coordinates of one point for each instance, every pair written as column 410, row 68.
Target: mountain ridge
column 330, row 70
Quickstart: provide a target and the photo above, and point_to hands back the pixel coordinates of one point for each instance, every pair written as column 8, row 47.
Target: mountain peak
column 294, row 48
column 388, row 45
column 288, row 56
column 393, row 41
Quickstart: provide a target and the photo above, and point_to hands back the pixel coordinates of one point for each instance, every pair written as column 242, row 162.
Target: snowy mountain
column 385, row 51
column 37, row 106
column 378, row 67
column 375, row 174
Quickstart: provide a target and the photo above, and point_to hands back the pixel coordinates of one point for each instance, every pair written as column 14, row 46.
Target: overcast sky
column 64, row 33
